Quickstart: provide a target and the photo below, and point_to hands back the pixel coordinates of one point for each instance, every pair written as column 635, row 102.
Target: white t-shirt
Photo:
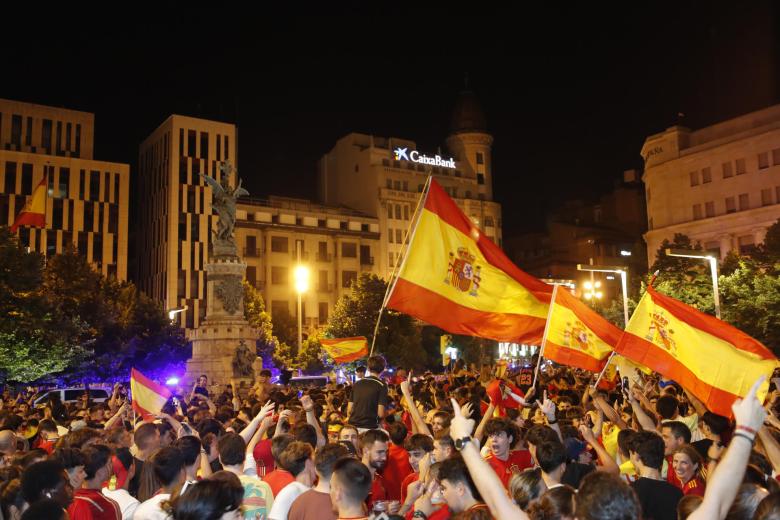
column 127, row 503
column 150, row 510
column 283, row 501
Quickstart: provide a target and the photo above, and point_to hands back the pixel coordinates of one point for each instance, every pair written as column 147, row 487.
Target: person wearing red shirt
column 89, row 503
column 398, row 466
column 417, row 446
column 373, row 446
column 686, row 465
column 279, row 477
column 501, row 434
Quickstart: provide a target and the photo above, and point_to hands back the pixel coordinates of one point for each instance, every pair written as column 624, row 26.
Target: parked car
column 70, row 395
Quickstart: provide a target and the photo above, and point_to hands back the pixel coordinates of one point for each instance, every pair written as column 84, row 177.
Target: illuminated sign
column 403, row 154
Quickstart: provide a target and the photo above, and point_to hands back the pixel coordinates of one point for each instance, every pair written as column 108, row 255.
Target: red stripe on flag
column 26, row 218
column 572, row 358
column 458, row 319
column 146, row 414
column 444, row 207
column 710, row 324
column 352, row 357
column 656, row 358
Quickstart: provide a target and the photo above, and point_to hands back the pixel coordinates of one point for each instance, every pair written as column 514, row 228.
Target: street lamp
column 173, row 312
column 301, row 286
column 609, row 269
column 703, row 255
column 592, row 290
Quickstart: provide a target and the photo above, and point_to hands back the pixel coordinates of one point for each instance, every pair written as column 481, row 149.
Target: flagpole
column 604, row 370
column 544, row 336
column 404, row 248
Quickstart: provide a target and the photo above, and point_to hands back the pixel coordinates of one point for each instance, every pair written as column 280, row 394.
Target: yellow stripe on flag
column 344, row 350
column 148, row 396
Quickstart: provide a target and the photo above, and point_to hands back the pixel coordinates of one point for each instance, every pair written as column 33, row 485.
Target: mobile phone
column 300, row 394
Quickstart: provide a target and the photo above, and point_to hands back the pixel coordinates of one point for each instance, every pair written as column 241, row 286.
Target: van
column 70, row 395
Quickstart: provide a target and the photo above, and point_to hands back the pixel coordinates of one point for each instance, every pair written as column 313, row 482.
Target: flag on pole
column 454, row 277
column 148, row 397
column 578, row 336
column 344, row 350
column 713, row 360
column 34, row 212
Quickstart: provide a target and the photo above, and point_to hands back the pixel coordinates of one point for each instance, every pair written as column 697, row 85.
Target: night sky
column 569, row 93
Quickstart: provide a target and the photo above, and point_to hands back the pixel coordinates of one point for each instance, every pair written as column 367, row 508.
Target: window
column 727, row 170
column 279, row 275
column 251, row 245
column 64, row 182
column 777, row 194
column 349, row 250
column 323, row 280
column 730, row 206
column 279, row 307
column 696, row 211
column 204, row 145
column 46, row 135
column 390, row 259
column 365, row 256
column 406, row 185
column 27, row 179
column 322, row 312
column 192, row 136
column 419, row 188
column 280, row 245
column 480, row 178
column 766, row 197
column 390, row 235
column 776, row 156
column 58, row 137
column 709, row 209
column 28, row 133
column 397, row 185
column 82, row 183
column 389, row 211
column 56, row 216
column 399, row 237
column 348, row 278
column 16, row 130
column 746, row 244
column 741, row 170
column 94, row 185
column 694, row 178
column 406, row 212
column 227, row 149
column 468, row 194
column 488, row 221
column 480, row 158
column 389, row 184
column 763, row 160
column 398, row 211
column 744, row 202
column 113, row 220
column 97, row 247
column 68, row 130
column 706, row 176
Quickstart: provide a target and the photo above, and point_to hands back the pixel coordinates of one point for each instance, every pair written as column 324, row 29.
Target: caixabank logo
column 403, row 154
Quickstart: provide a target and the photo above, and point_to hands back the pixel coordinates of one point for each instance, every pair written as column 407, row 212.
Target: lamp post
column 702, row 255
column 301, row 286
column 622, row 271
column 173, row 312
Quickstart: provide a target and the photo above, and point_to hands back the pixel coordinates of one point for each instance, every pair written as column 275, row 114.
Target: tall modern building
column 336, row 244
column 383, row 176
column 87, row 200
column 720, row 185
column 176, row 218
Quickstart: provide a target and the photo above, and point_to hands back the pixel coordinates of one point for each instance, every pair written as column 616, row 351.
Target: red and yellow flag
column 713, row 360
column 148, row 397
column 34, row 212
column 344, row 350
column 577, row 336
column 457, row 279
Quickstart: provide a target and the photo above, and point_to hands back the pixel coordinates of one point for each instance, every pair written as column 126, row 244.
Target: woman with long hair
column 688, row 464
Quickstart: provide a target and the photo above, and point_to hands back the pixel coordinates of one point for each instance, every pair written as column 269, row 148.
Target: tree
column 686, row 279
column 355, row 314
column 258, row 317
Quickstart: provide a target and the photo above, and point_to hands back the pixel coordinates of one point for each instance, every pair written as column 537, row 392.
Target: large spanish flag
column 344, row 350
column 710, row 358
column 454, row 277
column 148, row 397
column 577, row 336
column 34, row 212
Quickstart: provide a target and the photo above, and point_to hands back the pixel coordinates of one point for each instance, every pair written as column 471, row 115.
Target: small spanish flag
column 577, row 336
column 344, row 350
column 456, row 278
column 34, row 212
column 713, row 360
column 148, row 397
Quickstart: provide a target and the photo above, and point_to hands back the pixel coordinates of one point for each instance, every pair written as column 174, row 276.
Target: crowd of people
column 466, row 445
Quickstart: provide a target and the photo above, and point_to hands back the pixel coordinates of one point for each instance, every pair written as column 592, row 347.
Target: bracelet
column 746, row 428
column 744, row 436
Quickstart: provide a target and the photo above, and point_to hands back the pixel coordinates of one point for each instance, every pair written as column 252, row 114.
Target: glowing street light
column 301, row 286
column 703, row 255
column 173, row 312
column 607, row 269
column 593, row 291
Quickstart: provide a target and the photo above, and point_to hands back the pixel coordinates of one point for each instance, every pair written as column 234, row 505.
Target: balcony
column 325, row 287
column 304, row 256
column 252, row 252
column 324, row 257
column 366, row 260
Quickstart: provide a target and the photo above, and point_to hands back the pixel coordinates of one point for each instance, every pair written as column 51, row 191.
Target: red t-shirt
column 517, row 461
column 91, row 504
column 264, row 458
column 695, row 486
column 378, row 491
column 396, row 470
column 411, row 477
column 277, row 479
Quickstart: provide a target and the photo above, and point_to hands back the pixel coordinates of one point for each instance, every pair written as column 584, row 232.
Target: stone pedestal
column 218, row 339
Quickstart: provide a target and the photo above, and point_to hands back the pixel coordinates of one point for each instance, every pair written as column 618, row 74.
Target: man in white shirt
column 168, row 465
column 297, row 458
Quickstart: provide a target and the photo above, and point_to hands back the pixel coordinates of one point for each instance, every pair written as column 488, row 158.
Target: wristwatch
column 461, row 443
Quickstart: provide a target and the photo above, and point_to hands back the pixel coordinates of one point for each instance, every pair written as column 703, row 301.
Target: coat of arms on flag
column 659, row 332
column 578, row 336
column 463, row 273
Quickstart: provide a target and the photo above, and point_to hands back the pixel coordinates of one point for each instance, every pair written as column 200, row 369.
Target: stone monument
column 223, row 346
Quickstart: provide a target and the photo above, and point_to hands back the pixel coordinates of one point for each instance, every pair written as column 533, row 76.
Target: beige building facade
column 720, row 185
column 384, row 176
column 87, row 200
column 336, row 245
column 176, row 220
